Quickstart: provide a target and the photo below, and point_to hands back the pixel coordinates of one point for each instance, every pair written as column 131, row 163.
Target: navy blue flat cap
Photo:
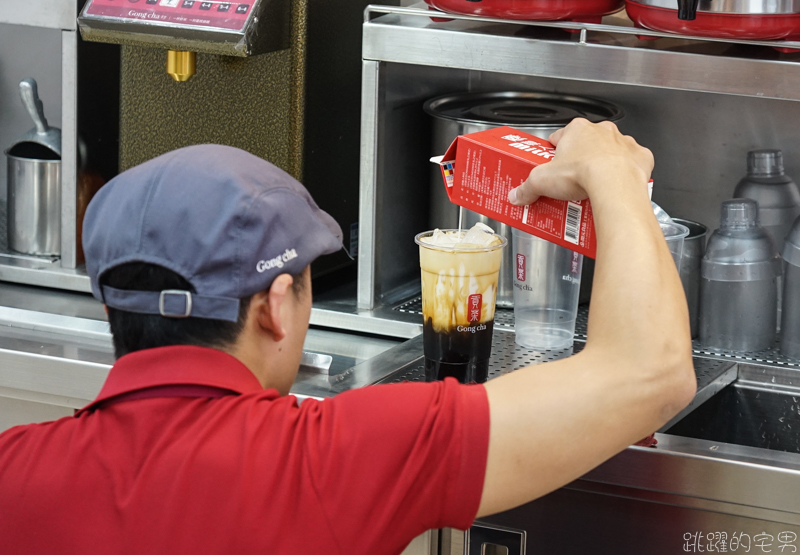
column 225, row 220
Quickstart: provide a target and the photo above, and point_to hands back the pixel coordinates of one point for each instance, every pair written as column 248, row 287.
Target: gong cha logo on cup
column 520, row 267
column 474, row 303
column 277, row 262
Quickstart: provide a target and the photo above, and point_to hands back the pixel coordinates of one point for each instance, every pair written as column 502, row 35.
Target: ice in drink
column 459, row 288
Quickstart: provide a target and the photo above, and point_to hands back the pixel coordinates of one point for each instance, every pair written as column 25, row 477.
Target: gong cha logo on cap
column 277, row 262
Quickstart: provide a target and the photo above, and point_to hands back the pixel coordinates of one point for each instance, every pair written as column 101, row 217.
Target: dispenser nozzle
column 687, row 9
column 181, row 65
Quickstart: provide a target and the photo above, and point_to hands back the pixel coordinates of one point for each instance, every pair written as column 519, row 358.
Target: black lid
column 521, row 109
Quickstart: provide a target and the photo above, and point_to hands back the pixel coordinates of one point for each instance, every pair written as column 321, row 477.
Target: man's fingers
column 556, row 136
column 578, row 142
column 648, row 161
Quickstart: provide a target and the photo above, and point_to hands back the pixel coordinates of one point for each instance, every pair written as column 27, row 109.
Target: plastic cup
column 547, row 283
column 459, row 290
column 675, row 234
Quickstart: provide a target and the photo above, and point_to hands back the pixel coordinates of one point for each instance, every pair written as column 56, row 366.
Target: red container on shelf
column 662, row 15
column 584, row 11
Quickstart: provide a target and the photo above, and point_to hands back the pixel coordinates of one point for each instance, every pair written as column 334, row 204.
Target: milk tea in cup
column 459, row 287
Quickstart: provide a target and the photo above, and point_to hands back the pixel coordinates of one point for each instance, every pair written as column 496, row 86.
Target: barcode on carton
column 572, row 225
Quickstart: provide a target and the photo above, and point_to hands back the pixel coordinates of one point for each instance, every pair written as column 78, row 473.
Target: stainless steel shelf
column 507, row 356
column 52, row 276
column 35, row 270
column 609, row 53
column 51, row 14
column 712, row 375
column 504, row 322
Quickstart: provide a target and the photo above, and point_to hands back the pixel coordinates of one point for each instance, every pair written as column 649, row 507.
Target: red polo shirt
column 184, row 452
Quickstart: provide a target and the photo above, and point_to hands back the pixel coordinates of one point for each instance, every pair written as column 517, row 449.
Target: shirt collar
column 177, row 365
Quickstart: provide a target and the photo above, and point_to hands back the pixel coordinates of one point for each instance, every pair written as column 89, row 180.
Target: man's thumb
column 531, row 189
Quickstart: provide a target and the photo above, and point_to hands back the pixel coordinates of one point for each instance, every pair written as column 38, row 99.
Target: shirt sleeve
column 389, row 462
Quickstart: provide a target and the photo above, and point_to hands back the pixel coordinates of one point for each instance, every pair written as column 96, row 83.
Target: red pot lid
column 534, row 10
column 717, row 25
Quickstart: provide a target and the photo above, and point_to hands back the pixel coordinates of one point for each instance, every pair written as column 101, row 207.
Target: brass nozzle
column 181, row 65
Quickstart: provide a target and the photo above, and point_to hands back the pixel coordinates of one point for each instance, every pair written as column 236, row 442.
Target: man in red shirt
column 201, row 257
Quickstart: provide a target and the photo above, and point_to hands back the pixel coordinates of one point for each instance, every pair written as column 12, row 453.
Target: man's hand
column 583, row 150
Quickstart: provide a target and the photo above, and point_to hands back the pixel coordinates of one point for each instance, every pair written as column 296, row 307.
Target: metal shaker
column 777, row 195
column 738, row 282
column 790, row 325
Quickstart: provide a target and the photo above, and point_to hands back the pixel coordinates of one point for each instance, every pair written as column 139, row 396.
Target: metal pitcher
column 34, row 183
column 34, row 205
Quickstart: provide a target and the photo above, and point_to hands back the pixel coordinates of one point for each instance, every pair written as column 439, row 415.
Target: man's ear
column 268, row 306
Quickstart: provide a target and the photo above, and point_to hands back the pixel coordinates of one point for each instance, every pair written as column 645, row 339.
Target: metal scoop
column 42, row 134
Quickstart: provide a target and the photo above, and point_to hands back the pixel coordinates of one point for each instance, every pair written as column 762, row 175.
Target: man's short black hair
column 135, row 332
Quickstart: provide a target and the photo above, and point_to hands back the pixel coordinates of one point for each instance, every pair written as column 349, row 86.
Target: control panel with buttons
column 190, row 13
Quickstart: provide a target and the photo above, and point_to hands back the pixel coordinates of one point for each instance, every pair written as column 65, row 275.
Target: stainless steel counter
column 729, row 464
column 56, row 351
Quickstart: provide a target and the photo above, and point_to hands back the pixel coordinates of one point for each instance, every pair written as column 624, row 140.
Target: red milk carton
column 480, row 169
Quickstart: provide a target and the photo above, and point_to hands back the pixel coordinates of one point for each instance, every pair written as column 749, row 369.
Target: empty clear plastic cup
column 547, row 281
column 675, row 234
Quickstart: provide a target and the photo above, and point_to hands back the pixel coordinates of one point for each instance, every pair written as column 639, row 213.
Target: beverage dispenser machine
column 279, row 79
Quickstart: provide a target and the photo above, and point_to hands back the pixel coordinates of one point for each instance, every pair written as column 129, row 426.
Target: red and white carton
column 480, row 169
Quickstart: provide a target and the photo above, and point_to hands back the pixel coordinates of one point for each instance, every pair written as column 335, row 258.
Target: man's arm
column 552, row 423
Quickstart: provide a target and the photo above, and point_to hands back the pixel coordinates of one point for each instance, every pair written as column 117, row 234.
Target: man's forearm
column 552, row 423
column 637, row 297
